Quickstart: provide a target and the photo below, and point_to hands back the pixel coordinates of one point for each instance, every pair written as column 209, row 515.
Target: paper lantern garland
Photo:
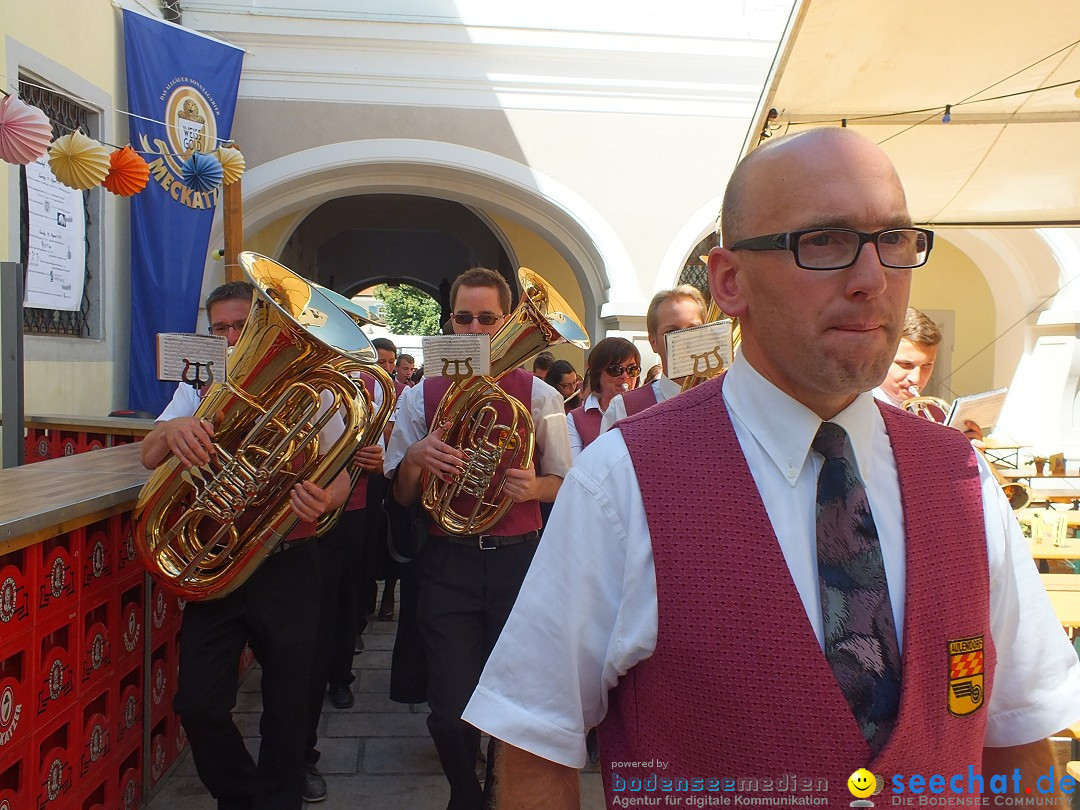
column 201, row 172
column 128, row 173
column 78, row 161
column 81, row 163
column 25, row 131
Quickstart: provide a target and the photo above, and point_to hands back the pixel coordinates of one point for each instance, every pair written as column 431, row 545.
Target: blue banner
column 182, row 94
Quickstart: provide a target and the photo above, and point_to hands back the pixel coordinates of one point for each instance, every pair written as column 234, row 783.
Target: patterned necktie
column 860, row 632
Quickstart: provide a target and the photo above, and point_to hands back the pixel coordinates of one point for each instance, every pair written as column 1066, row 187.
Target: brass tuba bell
column 472, row 503
column 201, row 532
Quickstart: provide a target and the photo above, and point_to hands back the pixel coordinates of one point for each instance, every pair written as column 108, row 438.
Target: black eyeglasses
column 487, row 319
column 617, row 371
column 837, row 248
column 222, row 329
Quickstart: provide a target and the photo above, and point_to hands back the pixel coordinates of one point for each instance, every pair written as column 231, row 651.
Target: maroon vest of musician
column 358, row 496
column 738, row 689
column 639, row 399
column 522, row 517
column 587, row 423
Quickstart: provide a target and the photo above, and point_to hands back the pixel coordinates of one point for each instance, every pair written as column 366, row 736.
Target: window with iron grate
column 66, row 115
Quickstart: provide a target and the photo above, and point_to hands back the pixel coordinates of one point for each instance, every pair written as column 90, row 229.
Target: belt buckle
column 484, row 547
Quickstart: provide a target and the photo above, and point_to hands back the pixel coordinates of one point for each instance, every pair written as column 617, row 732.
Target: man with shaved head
column 764, row 584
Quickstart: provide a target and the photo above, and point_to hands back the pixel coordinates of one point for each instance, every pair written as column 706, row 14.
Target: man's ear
column 726, row 282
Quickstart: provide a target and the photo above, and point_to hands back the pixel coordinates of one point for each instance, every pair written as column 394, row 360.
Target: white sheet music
column 179, row 352
column 457, row 355
column 704, row 349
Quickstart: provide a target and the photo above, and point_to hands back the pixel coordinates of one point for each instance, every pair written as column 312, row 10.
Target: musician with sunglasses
column 614, row 366
column 468, row 584
column 772, row 573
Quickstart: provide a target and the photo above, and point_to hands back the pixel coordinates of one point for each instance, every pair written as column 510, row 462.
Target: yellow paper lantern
column 78, row 162
column 232, row 163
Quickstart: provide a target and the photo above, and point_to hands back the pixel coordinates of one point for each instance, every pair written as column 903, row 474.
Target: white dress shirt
column 552, row 442
column 880, row 395
column 663, row 389
column 587, row 611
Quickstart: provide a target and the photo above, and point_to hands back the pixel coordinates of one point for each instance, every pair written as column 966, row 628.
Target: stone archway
column 299, row 182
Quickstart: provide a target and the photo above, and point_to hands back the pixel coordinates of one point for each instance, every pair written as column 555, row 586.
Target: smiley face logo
column 862, row 784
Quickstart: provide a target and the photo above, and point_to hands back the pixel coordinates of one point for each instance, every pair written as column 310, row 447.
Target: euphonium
column 355, row 365
column 472, row 503
column 201, row 532
column 936, row 410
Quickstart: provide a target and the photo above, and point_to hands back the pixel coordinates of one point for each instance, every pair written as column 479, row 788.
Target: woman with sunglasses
column 614, row 368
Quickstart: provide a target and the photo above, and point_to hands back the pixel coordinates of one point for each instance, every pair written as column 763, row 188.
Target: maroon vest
column 639, row 399
column 737, row 686
column 358, row 496
column 522, row 517
column 587, row 424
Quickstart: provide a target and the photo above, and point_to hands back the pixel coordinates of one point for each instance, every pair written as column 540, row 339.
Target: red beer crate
column 39, row 445
column 94, row 441
column 15, row 784
column 162, row 680
column 98, row 793
column 95, row 740
column 16, row 698
column 128, row 565
column 131, row 635
column 98, row 629
column 166, row 611
column 180, row 740
column 54, row 752
column 55, row 653
column 162, row 749
column 18, row 573
column 68, row 443
column 129, row 708
column 97, row 560
column 56, row 592
column 129, row 792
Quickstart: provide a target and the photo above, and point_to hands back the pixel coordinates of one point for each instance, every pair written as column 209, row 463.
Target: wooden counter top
column 42, row 500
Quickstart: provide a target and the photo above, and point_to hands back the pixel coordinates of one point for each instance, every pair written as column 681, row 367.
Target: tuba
column 472, row 503
column 201, row 532
column 936, row 410
column 354, row 365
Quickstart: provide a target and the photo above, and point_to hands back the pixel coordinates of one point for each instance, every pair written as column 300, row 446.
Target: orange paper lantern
column 128, row 172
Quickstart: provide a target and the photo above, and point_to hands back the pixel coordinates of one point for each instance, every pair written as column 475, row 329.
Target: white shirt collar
column 786, row 428
column 879, row 393
column 592, row 403
column 665, row 388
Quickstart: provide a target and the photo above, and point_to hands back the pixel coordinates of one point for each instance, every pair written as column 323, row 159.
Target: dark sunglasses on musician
column 486, row 318
column 617, row 371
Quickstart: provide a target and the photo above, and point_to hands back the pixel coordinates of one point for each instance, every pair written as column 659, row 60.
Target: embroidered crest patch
column 965, row 675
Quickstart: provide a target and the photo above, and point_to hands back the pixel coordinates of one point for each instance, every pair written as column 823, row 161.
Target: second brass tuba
column 201, row 532
column 472, row 503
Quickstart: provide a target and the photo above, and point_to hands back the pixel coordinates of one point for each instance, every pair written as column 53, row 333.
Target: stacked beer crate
column 73, row 672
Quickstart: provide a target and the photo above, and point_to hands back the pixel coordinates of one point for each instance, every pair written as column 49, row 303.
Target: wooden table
column 1003, row 452
column 42, row 500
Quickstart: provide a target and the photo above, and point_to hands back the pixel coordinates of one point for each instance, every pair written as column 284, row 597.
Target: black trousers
column 276, row 612
column 466, row 595
column 336, row 638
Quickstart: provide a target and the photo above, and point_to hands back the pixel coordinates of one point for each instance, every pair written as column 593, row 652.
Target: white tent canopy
column 1008, row 156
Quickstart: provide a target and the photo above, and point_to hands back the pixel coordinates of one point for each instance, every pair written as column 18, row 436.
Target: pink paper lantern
column 25, row 131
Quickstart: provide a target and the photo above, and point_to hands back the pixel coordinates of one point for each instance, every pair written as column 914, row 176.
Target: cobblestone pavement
column 375, row 756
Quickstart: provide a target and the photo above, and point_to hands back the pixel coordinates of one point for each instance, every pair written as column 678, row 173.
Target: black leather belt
column 490, row 542
column 285, row 545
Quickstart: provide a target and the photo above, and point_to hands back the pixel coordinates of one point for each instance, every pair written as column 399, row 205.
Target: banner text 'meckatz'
column 178, row 191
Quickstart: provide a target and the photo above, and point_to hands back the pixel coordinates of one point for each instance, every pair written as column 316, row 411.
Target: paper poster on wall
column 56, row 265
